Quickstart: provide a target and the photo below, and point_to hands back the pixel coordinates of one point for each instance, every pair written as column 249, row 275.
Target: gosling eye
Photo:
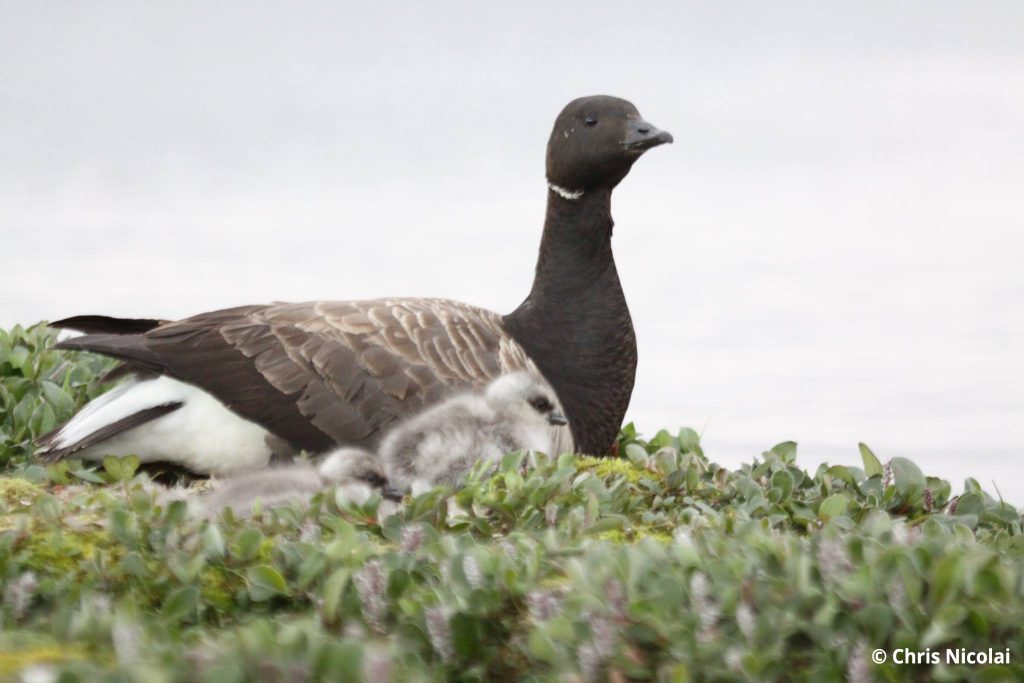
column 374, row 479
column 589, row 121
column 541, row 404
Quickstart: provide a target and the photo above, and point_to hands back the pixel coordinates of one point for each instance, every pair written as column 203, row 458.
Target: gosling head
column 526, row 397
column 351, row 465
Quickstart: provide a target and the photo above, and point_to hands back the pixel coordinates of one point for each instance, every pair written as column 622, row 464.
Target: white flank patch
column 564, row 193
column 201, row 435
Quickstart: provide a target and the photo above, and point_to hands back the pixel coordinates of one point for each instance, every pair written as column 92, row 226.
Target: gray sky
column 829, row 253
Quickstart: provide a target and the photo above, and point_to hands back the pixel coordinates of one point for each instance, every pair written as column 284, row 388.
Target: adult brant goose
column 229, row 389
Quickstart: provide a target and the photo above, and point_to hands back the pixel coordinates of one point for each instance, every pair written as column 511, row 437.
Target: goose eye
column 590, row 121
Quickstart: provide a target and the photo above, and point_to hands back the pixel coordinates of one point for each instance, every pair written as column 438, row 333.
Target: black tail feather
column 48, row 453
column 131, row 349
column 124, row 370
column 104, row 324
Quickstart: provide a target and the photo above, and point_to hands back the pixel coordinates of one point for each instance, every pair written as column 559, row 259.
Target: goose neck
column 575, row 250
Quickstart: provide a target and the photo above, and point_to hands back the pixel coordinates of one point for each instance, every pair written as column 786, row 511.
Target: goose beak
column 556, row 418
column 641, row 136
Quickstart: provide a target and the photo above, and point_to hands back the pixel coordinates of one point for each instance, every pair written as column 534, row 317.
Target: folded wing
column 320, row 373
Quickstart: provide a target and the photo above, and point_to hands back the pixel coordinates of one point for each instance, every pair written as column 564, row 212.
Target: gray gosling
column 355, row 472
column 439, row 445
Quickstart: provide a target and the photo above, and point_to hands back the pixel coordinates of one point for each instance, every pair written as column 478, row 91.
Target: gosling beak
column 391, row 493
column 556, row 418
column 641, row 136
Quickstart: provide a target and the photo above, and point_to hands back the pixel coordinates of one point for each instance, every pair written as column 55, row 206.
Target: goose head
column 595, row 142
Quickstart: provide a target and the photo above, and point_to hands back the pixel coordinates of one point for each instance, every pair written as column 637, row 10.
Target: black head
column 595, row 142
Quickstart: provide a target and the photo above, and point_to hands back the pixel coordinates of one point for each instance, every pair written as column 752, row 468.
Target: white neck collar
column 564, row 193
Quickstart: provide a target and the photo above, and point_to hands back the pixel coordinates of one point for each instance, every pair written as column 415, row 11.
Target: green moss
column 613, row 468
column 14, row 662
column 266, row 550
column 16, row 492
column 63, row 552
column 634, row 535
column 218, row 586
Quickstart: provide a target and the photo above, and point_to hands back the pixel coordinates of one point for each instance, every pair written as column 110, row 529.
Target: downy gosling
column 355, row 472
column 439, row 445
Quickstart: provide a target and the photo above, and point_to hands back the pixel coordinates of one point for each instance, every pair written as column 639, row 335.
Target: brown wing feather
column 323, row 373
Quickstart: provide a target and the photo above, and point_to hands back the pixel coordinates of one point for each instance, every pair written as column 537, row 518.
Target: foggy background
column 830, row 252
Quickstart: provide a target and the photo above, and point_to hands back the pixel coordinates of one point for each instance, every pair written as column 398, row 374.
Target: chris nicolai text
column 951, row 655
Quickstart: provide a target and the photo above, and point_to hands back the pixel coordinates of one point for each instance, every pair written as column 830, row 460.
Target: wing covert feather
column 323, row 373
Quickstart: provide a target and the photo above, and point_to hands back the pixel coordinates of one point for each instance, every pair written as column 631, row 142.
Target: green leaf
column 948, row 578
column 89, row 476
column 112, row 466
column 842, row 474
column 43, row 419
column 265, row 583
column 661, row 439
column 245, row 544
column 339, row 661
column 18, row 357
column 872, row 465
column 133, row 564
column 786, row 451
column 180, row 604
column 907, row 477
column 129, row 466
column 689, row 441
column 606, row 524
column 61, row 401
column 465, row 635
column 213, row 542
column 121, row 468
column 782, row 486
column 22, row 412
column 334, row 589
column 833, row 506
column 541, row 645
column 970, row 504
column 637, row 454
column 186, row 568
column 124, row 526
